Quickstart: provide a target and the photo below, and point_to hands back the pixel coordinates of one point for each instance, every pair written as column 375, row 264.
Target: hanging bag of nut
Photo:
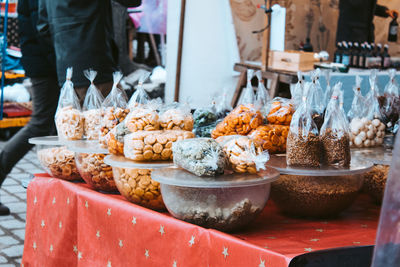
column 303, row 144
column 335, row 137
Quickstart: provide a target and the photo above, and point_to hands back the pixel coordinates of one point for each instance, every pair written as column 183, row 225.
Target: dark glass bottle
column 356, row 54
column 385, row 57
column 373, row 49
column 337, row 57
column 345, row 54
column 393, row 28
column 350, row 45
column 308, row 46
column 361, row 57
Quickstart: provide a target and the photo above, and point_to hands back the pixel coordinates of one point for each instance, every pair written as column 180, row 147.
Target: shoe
column 4, row 210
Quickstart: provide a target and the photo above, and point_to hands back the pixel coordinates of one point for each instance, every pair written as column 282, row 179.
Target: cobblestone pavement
column 13, row 194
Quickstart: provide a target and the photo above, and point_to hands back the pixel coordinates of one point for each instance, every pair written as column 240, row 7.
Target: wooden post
column 266, row 40
column 179, row 56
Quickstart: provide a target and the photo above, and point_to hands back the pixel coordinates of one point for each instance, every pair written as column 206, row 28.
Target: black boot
column 4, row 210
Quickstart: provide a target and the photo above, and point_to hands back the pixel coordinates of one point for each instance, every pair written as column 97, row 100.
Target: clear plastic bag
column 390, row 102
column 115, row 139
column 141, row 118
column 271, row 137
column 357, row 109
column 329, row 89
column 244, row 155
column 371, row 98
column 280, row 111
column 92, row 108
column 153, row 145
column 113, row 109
column 69, row 119
column 248, row 96
column 262, row 97
column 200, row 156
column 205, row 120
column 223, row 104
column 315, row 97
column 240, row 121
column 303, row 143
column 140, row 97
column 335, row 132
column 297, row 90
column 176, row 117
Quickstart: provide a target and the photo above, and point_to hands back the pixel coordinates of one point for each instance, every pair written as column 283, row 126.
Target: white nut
column 358, row 141
column 362, row 135
column 372, row 143
column 381, row 127
column 376, row 122
column 367, row 143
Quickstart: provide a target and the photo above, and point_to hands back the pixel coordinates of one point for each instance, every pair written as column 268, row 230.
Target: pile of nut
column 95, row 172
column 110, row 118
column 366, row 133
column 92, row 123
column 141, row 119
column 137, row 186
column 303, row 151
column 59, row 162
column 152, row 145
column 271, row 137
column 241, row 152
column 176, row 119
column 240, row 121
column 70, row 123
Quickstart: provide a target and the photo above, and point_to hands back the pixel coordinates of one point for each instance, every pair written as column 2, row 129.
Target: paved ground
column 13, row 194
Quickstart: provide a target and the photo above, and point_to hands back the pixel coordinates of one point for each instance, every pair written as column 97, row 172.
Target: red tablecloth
column 69, row 224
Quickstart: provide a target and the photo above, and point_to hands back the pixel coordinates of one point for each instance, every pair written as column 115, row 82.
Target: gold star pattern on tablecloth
column 133, row 220
column 54, row 201
column 191, row 241
column 262, row 263
column 319, row 230
column 60, row 224
column 79, row 255
column 68, row 201
column 34, row 246
column 86, row 204
column 162, row 231
column 35, row 200
column 120, row 244
column 98, row 234
column 146, row 253
column 175, row 264
column 42, row 224
column 109, row 264
column 109, row 211
column 51, row 248
column 308, row 249
column 75, row 249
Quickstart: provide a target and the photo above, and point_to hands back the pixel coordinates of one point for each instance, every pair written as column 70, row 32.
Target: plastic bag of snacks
column 69, row 120
column 152, row 145
column 316, row 99
column 271, row 137
column 390, row 102
column 357, row 109
column 92, row 108
column 140, row 97
column 371, row 98
column 243, row 154
column 240, row 121
column 176, row 117
column 329, row 89
column 141, row 118
column 59, row 162
column 205, row 120
column 280, row 111
column 297, row 90
column 303, row 144
column 115, row 139
column 262, row 97
column 335, row 133
column 223, row 105
column 248, row 96
column 200, row 156
column 113, row 109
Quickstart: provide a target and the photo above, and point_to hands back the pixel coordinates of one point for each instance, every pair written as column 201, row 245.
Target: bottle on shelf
column 337, row 57
column 356, row 54
column 385, row 57
column 345, row 54
column 368, row 56
column 373, row 49
column 393, row 29
column 379, row 50
column 361, row 57
column 350, row 46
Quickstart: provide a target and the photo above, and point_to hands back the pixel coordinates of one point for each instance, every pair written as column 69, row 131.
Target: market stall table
column 69, row 224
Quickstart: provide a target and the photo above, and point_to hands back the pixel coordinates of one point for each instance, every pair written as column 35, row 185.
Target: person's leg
column 45, row 92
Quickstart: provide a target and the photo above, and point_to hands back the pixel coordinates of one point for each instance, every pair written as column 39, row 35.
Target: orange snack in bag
column 271, row 137
column 281, row 111
column 240, row 121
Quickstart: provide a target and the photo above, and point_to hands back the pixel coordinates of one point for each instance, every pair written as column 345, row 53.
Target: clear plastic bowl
column 226, row 203
column 375, row 182
column 315, row 196
column 95, row 172
column 137, row 186
column 58, row 161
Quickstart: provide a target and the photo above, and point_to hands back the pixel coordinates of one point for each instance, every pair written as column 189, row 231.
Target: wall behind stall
column 209, row 50
column 319, row 17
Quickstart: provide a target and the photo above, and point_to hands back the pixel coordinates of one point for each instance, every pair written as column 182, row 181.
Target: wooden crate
column 291, row 60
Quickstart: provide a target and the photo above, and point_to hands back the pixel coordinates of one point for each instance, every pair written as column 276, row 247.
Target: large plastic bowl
column 95, row 172
column 315, row 196
column 226, row 203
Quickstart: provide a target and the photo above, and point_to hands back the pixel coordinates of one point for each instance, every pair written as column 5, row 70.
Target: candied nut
column 157, row 148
